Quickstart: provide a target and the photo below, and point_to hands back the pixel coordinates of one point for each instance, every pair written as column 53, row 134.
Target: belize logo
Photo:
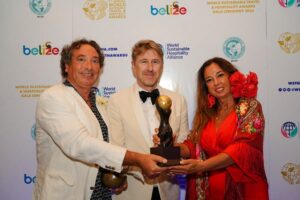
column 291, row 173
column 234, row 48
column 42, row 50
column 289, row 3
column 40, row 7
column 289, row 129
column 173, row 9
column 289, row 43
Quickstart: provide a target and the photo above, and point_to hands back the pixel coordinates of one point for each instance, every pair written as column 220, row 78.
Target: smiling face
column 84, row 68
column 217, row 81
column 147, row 68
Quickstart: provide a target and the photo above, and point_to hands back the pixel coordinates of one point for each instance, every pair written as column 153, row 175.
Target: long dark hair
column 203, row 113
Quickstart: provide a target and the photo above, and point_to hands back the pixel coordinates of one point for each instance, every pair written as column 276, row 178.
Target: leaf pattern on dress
column 250, row 116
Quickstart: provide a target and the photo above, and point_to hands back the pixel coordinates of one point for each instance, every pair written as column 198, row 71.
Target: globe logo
column 234, row 48
column 33, row 131
column 40, row 7
column 289, row 129
column 286, row 3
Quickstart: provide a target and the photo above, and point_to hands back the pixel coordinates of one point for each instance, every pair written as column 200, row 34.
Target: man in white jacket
column 133, row 119
column 72, row 134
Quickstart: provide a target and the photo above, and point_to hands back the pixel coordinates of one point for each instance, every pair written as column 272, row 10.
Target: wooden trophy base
column 172, row 154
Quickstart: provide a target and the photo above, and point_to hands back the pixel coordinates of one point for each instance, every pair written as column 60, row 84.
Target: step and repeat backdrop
column 255, row 35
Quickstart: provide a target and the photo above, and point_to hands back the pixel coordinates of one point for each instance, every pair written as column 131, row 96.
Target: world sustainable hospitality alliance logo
column 40, row 7
column 234, row 48
column 175, row 50
column 107, row 91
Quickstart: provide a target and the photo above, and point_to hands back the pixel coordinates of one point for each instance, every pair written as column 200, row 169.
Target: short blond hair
column 143, row 45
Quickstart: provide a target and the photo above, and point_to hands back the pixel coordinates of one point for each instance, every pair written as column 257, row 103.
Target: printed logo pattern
column 98, row 9
column 172, row 9
column 289, row 3
column 291, row 173
column 234, row 48
column 289, row 43
column 95, row 9
column 40, row 7
column 289, row 129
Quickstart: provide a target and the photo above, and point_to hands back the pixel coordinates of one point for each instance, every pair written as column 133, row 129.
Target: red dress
column 241, row 137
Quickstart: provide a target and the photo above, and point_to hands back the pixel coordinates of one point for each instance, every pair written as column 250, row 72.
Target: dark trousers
column 155, row 194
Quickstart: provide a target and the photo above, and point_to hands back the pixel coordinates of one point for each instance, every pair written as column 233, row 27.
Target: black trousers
column 155, row 194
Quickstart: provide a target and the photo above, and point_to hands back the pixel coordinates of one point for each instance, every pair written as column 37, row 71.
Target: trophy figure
column 166, row 147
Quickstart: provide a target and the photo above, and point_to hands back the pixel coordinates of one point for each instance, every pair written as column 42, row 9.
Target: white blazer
column 69, row 146
column 128, row 127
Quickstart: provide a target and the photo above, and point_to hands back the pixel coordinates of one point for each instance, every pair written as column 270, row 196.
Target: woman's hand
column 188, row 166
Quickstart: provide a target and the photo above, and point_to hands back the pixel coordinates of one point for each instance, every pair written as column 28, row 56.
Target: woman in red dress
column 229, row 127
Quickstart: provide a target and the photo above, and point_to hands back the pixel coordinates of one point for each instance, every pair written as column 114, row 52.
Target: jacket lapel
column 86, row 115
column 139, row 114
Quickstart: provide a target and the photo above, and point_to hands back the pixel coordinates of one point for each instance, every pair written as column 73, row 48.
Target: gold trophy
column 166, row 147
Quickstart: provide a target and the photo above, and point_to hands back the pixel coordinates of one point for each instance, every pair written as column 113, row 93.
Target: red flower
column 237, row 81
column 252, row 78
column 237, row 78
column 250, row 89
column 243, row 86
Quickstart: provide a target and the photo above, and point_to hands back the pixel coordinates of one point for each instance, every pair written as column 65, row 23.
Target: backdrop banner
column 255, row 35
